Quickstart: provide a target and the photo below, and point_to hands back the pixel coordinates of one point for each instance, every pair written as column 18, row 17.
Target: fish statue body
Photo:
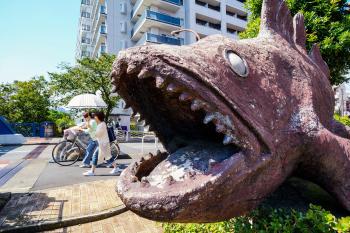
column 236, row 118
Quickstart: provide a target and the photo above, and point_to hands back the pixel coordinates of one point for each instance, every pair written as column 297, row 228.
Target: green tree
column 25, row 101
column 61, row 119
column 88, row 76
column 327, row 23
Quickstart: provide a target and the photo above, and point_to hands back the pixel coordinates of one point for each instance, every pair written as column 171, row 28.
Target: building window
column 103, row 9
column 201, row 22
column 201, row 3
column 215, row 25
column 230, row 13
column 85, row 14
column 103, row 29
column 85, row 27
column 207, row 5
column 85, row 2
column 123, row 27
column 215, row 8
column 85, row 54
column 231, row 31
column 85, row 40
column 242, row 17
column 103, row 48
column 122, row 7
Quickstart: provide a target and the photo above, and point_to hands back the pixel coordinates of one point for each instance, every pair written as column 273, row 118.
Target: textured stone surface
column 278, row 112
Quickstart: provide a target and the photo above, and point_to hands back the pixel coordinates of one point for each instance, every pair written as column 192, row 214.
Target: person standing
column 90, row 128
column 104, row 149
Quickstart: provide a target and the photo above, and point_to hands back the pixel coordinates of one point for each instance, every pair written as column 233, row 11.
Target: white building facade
column 113, row 25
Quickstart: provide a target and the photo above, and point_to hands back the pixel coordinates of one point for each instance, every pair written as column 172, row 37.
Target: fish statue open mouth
column 237, row 118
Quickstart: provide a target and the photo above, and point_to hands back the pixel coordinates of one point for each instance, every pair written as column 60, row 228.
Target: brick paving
column 38, row 141
column 71, row 201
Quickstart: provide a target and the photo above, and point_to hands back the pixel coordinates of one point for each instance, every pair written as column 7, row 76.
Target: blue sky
column 35, row 36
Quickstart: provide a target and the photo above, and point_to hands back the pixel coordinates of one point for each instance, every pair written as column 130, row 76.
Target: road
column 30, row 167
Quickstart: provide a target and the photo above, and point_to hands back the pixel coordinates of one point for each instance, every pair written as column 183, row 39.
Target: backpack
column 111, row 134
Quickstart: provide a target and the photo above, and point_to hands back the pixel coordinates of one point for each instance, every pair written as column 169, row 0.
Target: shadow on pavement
column 5, row 149
column 120, row 168
column 26, row 208
column 124, row 156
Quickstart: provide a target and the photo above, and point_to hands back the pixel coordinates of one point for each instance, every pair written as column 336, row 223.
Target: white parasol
column 87, row 101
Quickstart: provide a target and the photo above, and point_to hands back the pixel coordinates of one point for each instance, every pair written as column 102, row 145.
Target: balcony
column 103, row 48
column 86, row 2
column 238, row 5
column 141, row 5
column 103, row 29
column 99, row 23
column 239, row 22
column 159, row 39
column 85, row 40
column 103, row 10
column 100, row 41
column 85, row 54
column 154, row 19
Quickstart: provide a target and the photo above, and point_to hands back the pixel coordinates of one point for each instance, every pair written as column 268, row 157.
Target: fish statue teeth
column 251, row 85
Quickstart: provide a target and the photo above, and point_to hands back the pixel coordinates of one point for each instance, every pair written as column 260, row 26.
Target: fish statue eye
column 237, row 64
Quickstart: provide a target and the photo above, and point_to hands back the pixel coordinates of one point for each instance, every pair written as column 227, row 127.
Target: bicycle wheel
column 66, row 153
column 115, row 150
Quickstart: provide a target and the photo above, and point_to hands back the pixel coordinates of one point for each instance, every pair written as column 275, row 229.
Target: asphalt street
column 30, row 167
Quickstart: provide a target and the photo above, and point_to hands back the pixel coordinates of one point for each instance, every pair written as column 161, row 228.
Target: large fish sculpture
column 236, row 117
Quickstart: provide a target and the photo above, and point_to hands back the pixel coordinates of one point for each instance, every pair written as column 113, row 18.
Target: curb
column 52, row 225
column 31, row 144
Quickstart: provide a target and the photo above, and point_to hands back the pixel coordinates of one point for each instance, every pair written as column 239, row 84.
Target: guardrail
column 137, row 136
column 132, row 136
column 33, row 129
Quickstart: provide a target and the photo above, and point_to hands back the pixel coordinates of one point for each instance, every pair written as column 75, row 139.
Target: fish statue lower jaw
column 236, row 118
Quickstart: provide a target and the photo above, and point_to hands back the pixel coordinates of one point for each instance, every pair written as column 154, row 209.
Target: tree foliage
column 61, row 119
column 25, row 101
column 327, row 23
column 88, row 76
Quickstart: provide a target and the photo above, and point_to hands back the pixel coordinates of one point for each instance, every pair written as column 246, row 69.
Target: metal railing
column 137, row 136
column 143, row 143
column 33, row 129
column 157, row 16
column 103, row 29
column 27, row 129
column 139, row 3
column 131, row 136
column 161, row 39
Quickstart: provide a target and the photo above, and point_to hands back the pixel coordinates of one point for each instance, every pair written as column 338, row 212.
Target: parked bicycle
column 73, row 147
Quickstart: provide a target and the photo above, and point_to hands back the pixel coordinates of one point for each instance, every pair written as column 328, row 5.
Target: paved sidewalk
column 72, row 201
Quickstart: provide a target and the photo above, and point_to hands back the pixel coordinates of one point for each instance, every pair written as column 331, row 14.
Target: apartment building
column 113, row 25
column 208, row 17
column 109, row 26
column 103, row 27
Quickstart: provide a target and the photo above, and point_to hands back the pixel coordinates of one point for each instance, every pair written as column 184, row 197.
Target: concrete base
column 12, row 139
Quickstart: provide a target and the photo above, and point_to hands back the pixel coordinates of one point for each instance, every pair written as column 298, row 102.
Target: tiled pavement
column 71, row 201
column 38, row 140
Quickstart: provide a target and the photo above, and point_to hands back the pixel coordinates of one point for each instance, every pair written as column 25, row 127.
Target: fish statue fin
column 277, row 19
column 316, row 57
column 299, row 36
